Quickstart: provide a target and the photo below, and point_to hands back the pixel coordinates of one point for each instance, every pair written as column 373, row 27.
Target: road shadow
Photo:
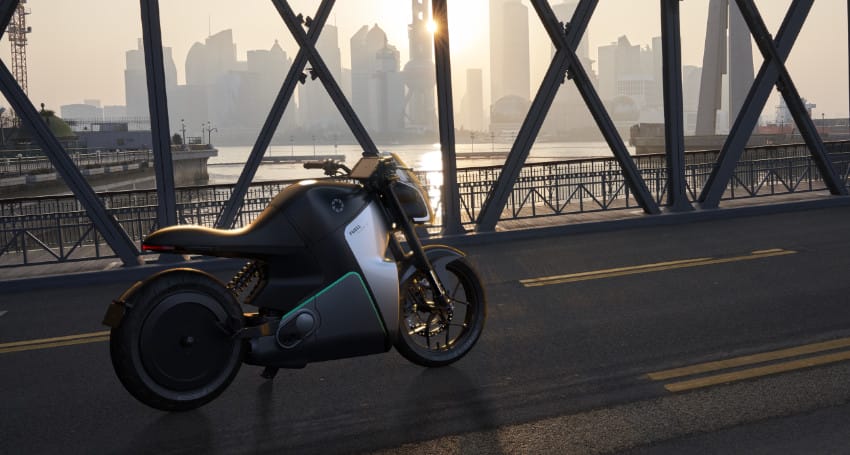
column 445, row 402
column 174, row 433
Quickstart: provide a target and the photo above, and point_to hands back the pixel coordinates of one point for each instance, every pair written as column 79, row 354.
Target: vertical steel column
column 747, row 119
column 228, row 215
column 324, row 75
column 166, row 210
column 674, row 125
column 112, row 232
column 445, row 106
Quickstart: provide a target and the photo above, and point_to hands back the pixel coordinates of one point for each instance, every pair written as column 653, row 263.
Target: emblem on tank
column 337, row 205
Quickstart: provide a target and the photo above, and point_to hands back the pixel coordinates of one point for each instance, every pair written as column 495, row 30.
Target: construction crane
column 17, row 32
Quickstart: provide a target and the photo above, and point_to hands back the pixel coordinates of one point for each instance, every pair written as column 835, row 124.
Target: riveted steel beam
column 227, row 217
column 323, row 73
column 445, row 106
column 746, row 121
column 674, row 125
column 166, row 210
column 792, row 98
column 497, row 198
column 565, row 60
column 105, row 223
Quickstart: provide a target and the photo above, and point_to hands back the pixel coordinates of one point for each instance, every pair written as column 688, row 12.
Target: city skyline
column 470, row 44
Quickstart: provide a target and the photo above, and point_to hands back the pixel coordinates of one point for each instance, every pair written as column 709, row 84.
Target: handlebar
column 330, row 167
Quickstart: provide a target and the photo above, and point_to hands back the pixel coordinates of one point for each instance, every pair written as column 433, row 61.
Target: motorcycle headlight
column 411, row 194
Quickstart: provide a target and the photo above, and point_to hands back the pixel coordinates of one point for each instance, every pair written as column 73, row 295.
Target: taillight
column 159, row 248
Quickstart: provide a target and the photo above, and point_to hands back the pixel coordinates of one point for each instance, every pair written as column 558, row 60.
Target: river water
column 227, row 166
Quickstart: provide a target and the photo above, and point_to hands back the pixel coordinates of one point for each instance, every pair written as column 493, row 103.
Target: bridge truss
column 564, row 65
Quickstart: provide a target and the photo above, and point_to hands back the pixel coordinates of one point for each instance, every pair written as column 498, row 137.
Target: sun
column 431, row 26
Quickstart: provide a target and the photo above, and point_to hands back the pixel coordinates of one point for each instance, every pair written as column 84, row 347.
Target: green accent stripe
column 327, row 288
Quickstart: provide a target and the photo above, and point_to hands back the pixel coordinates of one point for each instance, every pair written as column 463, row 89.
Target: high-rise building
column 509, row 50
column 472, row 104
column 135, row 80
column 376, row 83
column 509, row 63
column 419, row 74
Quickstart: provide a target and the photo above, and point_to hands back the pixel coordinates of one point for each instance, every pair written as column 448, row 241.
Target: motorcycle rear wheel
column 175, row 348
column 432, row 337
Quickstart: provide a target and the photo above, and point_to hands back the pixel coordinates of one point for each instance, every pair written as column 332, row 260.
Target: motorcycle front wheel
column 175, row 348
column 431, row 336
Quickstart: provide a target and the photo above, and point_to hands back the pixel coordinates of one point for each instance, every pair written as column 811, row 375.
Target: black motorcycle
column 335, row 270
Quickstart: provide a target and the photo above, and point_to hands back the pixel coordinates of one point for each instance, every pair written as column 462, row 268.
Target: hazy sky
column 77, row 47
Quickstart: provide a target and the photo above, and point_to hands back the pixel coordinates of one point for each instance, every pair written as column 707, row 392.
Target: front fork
column 416, row 256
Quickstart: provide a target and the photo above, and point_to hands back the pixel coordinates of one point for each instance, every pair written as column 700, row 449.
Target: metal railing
column 15, row 163
column 56, row 228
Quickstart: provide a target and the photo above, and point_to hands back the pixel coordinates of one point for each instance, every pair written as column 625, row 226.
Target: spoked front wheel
column 434, row 336
column 175, row 348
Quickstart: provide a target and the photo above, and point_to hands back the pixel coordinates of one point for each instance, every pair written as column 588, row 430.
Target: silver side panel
column 368, row 237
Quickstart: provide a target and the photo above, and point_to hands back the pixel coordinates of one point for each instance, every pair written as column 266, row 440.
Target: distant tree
column 177, row 139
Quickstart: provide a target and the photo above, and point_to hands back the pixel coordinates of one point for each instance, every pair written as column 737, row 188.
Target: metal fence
column 22, row 162
column 56, row 228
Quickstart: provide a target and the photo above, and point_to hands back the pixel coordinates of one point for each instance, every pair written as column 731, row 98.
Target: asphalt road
column 582, row 334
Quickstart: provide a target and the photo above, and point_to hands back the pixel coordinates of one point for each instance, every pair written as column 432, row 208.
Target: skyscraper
column 135, row 80
column 376, row 82
column 472, row 104
column 419, row 75
column 509, row 49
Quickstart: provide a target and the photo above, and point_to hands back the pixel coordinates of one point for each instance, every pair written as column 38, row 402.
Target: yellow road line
column 749, row 360
column 647, row 268
column 758, row 372
column 46, row 343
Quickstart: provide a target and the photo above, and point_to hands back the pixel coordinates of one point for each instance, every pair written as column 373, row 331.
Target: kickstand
column 269, row 372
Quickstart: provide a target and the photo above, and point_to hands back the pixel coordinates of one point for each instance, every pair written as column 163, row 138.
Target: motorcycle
column 335, row 270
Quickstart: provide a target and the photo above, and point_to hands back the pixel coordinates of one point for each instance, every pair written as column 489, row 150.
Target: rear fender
column 116, row 310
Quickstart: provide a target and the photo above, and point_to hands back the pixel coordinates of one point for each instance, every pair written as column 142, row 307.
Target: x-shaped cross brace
column 307, row 52
column 565, row 59
column 772, row 73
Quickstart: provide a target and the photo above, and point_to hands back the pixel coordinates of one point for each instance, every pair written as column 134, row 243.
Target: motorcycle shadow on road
column 185, row 432
column 446, row 402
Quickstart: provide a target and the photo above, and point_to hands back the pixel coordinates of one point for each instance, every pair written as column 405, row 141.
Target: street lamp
column 472, row 141
column 209, row 132
column 292, row 145
column 183, row 127
column 2, row 133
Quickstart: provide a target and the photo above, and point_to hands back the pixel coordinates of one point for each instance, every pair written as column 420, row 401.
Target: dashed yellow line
column 797, row 358
column 648, row 268
column 47, row 343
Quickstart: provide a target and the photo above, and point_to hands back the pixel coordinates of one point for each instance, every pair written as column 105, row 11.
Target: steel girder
column 772, row 73
column 674, row 125
column 163, row 164
column 565, row 60
column 445, row 106
column 112, row 232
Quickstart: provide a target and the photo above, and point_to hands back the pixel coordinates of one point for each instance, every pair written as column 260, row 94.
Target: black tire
column 174, row 349
column 448, row 339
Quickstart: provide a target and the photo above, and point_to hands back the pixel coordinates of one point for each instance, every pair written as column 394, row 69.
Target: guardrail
column 15, row 163
column 56, row 228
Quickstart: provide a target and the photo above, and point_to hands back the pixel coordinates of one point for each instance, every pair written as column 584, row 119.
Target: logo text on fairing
column 355, row 230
